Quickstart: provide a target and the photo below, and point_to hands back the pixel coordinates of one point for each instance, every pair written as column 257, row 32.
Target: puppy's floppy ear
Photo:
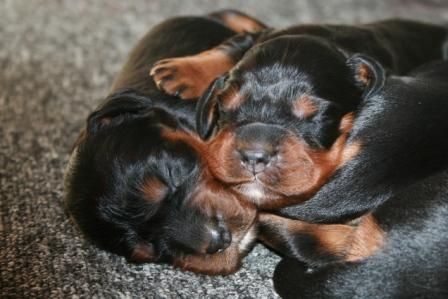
column 117, row 106
column 368, row 73
column 207, row 112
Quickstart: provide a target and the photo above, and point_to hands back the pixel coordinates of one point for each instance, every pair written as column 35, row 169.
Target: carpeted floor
column 57, row 60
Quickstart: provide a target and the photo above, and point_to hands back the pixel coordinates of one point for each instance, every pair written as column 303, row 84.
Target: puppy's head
column 277, row 124
column 136, row 186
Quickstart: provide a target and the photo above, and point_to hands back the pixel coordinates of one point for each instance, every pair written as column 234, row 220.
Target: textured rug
column 57, row 60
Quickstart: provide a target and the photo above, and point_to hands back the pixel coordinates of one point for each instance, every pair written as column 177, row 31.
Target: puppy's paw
column 182, row 77
column 188, row 77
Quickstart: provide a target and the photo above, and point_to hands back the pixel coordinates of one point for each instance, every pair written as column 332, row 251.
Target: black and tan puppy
column 401, row 128
column 278, row 121
column 137, row 183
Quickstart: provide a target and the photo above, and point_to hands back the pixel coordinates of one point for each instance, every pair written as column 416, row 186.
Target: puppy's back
column 157, row 45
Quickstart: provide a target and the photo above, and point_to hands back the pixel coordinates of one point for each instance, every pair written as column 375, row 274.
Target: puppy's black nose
column 220, row 240
column 258, row 144
column 255, row 160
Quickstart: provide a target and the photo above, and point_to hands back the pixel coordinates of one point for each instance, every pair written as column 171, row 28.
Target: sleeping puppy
column 138, row 182
column 277, row 123
column 401, row 128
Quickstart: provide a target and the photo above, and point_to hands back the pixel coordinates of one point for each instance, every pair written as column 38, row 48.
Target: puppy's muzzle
column 257, row 146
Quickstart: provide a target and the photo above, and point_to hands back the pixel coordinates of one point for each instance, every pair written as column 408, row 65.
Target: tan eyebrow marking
column 154, row 190
column 304, row 107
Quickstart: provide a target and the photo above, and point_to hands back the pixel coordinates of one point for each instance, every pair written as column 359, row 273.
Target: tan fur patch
column 346, row 242
column 304, row 107
column 142, row 253
column 367, row 239
column 181, row 136
column 154, row 190
column 240, row 24
column 231, row 98
column 346, row 124
column 349, row 152
column 364, row 74
column 190, row 76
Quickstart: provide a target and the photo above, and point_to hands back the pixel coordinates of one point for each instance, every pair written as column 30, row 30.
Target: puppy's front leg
column 319, row 244
column 188, row 77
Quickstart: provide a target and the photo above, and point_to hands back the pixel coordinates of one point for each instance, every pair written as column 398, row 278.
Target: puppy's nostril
column 255, row 160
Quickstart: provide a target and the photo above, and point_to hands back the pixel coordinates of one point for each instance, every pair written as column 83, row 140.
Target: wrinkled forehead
column 274, row 83
column 264, row 93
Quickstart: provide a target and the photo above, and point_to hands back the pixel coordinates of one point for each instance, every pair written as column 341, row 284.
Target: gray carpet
column 57, row 60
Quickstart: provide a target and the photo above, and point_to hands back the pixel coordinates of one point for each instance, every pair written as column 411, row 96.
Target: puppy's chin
column 243, row 239
column 256, row 192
